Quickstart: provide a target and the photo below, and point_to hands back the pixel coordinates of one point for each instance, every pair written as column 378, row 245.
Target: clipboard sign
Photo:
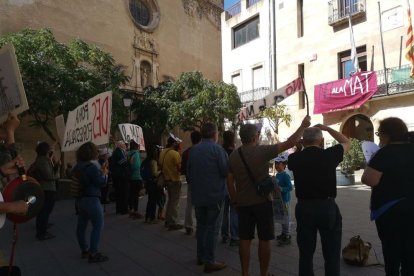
column 12, row 94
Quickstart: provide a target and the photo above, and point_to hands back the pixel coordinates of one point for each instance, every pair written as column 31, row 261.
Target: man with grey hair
column 207, row 168
column 255, row 210
column 314, row 170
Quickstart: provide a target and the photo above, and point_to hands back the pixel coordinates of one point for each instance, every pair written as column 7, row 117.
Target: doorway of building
column 359, row 127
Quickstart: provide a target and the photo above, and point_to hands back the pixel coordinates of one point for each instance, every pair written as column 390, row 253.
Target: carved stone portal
column 200, row 8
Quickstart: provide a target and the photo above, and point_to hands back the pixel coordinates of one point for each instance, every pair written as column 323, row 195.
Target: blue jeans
column 229, row 215
column 208, row 224
column 90, row 208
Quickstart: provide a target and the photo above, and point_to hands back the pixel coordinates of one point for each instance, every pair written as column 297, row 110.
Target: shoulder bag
column 263, row 187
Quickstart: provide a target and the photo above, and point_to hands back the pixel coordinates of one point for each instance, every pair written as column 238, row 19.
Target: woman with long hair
column 89, row 205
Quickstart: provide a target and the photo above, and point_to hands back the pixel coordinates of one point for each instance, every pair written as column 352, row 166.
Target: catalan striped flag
column 409, row 52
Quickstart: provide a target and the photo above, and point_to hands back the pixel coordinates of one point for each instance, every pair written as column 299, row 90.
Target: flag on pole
column 354, row 57
column 409, row 54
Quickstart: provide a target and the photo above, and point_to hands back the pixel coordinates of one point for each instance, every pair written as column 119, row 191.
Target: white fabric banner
column 132, row 132
column 89, row 122
column 273, row 98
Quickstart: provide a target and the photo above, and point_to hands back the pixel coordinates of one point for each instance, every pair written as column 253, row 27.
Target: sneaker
column 97, row 258
column 208, row 268
column 175, row 227
column 234, row 243
column 46, row 236
column 285, row 240
column 188, row 231
column 279, row 237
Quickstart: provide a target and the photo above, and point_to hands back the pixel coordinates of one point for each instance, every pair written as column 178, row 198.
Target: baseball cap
column 282, row 157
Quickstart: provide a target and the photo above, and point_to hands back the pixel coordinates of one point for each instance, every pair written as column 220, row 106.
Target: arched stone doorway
column 360, row 127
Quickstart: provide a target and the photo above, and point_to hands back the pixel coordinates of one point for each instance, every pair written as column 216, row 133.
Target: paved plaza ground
column 136, row 248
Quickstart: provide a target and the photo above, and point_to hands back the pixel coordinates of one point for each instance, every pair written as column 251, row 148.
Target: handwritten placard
column 132, row 132
column 60, row 127
column 89, row 122
column 12, row 94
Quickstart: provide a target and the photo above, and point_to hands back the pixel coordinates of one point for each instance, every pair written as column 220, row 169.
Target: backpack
column 75, row 186
column 146, row 170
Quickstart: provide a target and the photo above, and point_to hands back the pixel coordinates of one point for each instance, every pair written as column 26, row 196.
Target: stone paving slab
column 136, row 248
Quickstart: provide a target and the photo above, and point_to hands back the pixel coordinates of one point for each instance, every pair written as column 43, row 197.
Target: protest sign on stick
column 132, row 132
column 12, row 94
column 60, row 128
column 89, row 122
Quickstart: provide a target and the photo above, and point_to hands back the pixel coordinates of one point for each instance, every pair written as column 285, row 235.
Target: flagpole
column 372, row 59
column 382, row 47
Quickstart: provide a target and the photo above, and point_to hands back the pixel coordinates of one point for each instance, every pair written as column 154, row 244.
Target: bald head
column 312, row 136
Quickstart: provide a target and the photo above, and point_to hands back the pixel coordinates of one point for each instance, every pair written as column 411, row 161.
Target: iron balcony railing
column 233, row 10
column 339, row 10
column 254, row 95
column 398, row 81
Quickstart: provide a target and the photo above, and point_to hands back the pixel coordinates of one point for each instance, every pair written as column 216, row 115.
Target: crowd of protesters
column 222, row 189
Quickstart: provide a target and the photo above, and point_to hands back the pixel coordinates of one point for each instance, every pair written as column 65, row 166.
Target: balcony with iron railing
column 254, row 94
column 233, row 10
column 398, row 81
column 339, row 10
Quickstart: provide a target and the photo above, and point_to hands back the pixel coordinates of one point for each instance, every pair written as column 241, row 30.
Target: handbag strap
column 249, row 172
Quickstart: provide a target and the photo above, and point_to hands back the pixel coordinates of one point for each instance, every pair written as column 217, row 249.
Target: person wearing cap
column 284, row 186
column 170, row 164
column 254, row 210
column 314, row 171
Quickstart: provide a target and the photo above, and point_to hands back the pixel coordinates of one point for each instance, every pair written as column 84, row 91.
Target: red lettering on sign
column 294, row 86
column 105, row 115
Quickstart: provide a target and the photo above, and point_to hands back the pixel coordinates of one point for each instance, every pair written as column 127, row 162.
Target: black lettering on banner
column 80, row 134
column 250, row 110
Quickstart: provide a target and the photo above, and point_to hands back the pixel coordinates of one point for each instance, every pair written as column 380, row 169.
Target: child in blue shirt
column 285, row 186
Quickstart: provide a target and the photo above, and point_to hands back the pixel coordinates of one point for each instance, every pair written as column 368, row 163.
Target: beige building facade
column 312, row 38
column 156, row 39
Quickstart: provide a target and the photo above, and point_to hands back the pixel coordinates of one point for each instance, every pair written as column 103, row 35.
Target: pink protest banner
column 342, row 94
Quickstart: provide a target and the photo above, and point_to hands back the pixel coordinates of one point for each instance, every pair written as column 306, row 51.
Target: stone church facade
column 156, row 40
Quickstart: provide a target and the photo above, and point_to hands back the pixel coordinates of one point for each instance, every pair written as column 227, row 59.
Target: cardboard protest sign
column 369, row 149
column 89, row 122
column 132, row 132
column 60, row 127
column 12, row 94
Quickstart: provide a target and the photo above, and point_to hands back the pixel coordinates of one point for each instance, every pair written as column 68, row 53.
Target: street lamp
column 127, row 100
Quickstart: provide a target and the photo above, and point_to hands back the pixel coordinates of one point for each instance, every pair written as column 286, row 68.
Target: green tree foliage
column 195, row 100
column 277, row 115
column 187, row 103
column 354, row 158
column 58, row 77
